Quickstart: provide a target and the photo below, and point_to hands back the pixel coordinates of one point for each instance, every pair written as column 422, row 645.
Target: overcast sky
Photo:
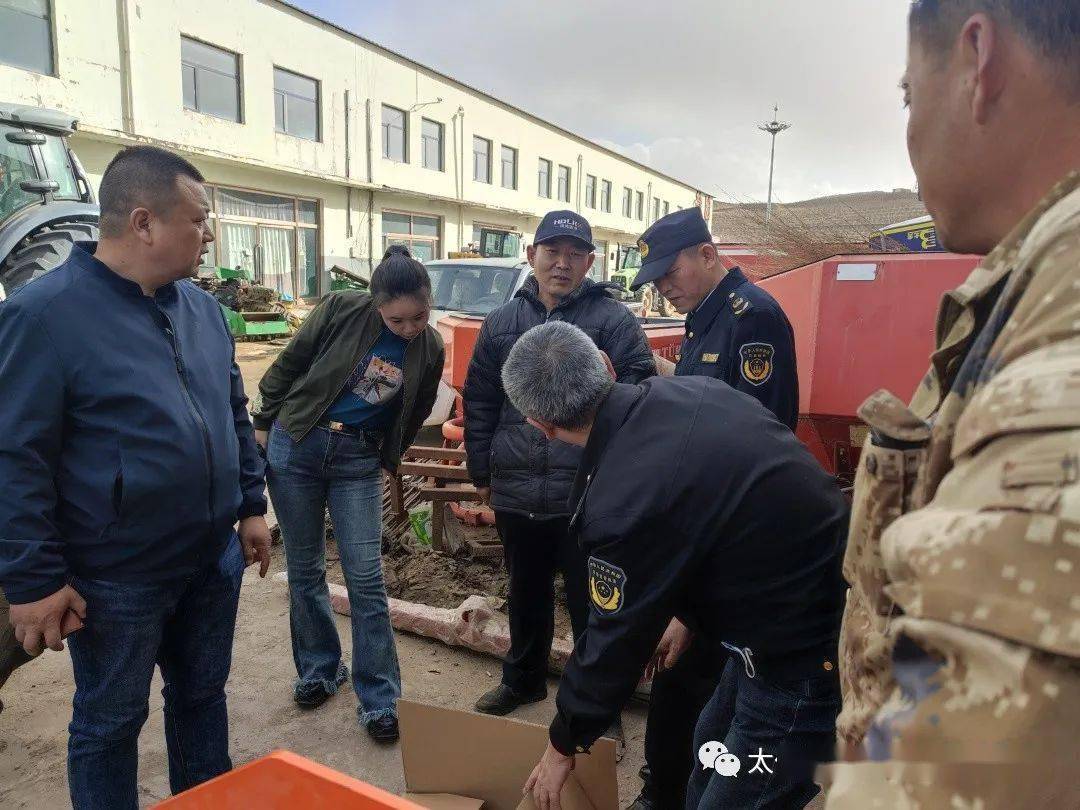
column 681, row 85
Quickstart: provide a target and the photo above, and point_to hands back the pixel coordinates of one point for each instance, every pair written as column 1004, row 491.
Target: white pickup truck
column 473, row 287
column 469, row 287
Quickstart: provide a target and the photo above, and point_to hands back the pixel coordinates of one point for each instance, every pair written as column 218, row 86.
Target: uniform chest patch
column 607, row 585
column 710, row 358
column 757, row 362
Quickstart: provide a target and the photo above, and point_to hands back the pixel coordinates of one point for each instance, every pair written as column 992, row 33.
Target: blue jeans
column 779, row 732
column 342, row 472
column 185, row 626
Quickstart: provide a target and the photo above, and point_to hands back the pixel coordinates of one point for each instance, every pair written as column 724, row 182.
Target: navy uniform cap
column 564, row 224
column 660, row 245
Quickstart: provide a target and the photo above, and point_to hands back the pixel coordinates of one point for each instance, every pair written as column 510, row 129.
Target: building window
column 296, row 104
column 598, row 271
column 27, row 39
column 507, row 245
column 211, row 79
column 627, row 203
column 420, row 233
column 667, row 208
column 564, row 183
column 395, row 134
column 605, row 196
column 641, row 206
column 273, row 239
column 481, row 159
column 431, row 140
column 590, row 191
column 544, row 178
column 655, row 208
column 509, row 167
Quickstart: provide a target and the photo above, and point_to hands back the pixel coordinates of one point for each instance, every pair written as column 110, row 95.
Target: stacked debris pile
column 256, row 298
column 240, row 295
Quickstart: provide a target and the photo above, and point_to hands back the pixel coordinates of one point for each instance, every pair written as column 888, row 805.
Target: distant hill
column 810, row 230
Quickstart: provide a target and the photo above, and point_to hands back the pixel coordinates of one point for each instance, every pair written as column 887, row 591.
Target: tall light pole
column 773, row 128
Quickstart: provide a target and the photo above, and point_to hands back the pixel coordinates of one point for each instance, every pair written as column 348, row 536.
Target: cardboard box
column 465, row 761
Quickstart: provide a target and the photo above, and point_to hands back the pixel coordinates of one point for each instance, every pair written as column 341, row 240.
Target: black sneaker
column 384, row 730
column 503, row 700
column 645, row 800
column 312, row 696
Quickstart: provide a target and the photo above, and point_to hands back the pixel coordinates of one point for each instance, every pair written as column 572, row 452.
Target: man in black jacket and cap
column 692, row 500
column 524, row 477
column 736, row 333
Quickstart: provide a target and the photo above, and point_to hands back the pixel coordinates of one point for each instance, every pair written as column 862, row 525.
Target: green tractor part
column 46, row 202
column 248, row 325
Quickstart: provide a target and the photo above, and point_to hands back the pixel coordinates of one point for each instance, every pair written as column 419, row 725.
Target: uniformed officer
column 757, row 569
column 737, row 333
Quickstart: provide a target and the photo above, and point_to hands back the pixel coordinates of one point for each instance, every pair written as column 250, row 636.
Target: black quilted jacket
column 529, row 475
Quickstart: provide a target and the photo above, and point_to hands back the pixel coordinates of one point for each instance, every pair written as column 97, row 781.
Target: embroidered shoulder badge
column 607, row 586
column 757, row 362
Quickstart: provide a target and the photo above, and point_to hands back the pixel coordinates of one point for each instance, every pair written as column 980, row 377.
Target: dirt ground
column 33, row 725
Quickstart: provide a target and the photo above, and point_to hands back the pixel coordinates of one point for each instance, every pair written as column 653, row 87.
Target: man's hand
column 262, row 437
column 548, row 778
column 255, row 539
column 485, row 495
column 675, row 641
column 45, row 622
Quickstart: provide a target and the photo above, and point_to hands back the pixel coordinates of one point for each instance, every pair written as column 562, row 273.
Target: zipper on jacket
column 170, row 334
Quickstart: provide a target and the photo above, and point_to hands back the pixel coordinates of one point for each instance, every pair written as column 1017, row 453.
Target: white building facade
column 320, row 147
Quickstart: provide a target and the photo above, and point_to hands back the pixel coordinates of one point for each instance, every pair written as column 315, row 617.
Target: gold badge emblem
column 643, row 248
column 710, row 358
column 607, row 585
column 757, row 362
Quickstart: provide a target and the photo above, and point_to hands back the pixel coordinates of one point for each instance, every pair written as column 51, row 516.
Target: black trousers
column 534, row 550
column 678, row 697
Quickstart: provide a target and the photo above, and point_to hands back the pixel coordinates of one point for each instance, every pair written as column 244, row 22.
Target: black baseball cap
column 661, row 243
column 563, row 224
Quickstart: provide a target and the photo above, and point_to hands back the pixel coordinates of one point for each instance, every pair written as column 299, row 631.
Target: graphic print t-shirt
column 373, row 389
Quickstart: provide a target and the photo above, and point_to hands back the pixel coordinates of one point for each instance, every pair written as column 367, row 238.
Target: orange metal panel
column 284, row 781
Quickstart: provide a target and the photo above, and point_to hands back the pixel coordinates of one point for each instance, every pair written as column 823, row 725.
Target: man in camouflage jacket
column 960, row 649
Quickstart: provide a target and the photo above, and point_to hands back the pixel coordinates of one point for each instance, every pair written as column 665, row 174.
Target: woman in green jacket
column 340, row 405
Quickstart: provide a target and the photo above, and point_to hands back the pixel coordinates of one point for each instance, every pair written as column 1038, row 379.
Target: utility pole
column 773, row 128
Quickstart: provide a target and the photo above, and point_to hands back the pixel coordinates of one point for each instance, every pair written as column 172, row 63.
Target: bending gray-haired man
column 757, row 566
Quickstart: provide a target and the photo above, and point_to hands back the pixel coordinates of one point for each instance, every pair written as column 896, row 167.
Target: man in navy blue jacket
column 126, row 460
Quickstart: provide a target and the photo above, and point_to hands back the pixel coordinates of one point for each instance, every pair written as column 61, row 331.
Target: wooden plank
column 436, row 453
column 437, row 528
column 444, row 471
column 445, row 494
column 397, row 496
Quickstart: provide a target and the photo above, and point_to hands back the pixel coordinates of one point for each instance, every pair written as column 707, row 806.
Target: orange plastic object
column 861, row 323
column 453, row 430
column 459, row 334
column 284, row 781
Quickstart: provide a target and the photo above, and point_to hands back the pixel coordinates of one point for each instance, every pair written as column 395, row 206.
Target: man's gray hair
column 555, row 374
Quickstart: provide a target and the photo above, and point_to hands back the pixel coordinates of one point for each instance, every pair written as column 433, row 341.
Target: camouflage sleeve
column 998, row 547
column 884, row 483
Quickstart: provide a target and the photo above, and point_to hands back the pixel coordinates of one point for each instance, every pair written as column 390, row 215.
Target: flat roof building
column 320, row 147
